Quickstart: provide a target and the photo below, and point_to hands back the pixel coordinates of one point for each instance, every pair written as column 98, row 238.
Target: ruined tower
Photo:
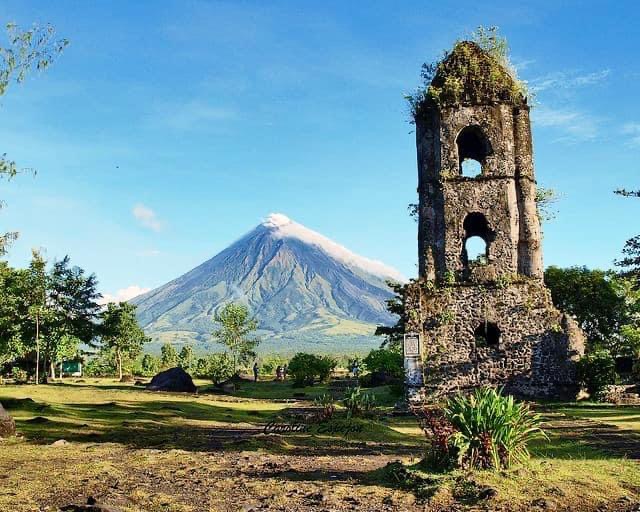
column 483, row 318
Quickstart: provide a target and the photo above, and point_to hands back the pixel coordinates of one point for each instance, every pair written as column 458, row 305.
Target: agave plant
column 492, row 430
column 356, row 402
column 328, row 405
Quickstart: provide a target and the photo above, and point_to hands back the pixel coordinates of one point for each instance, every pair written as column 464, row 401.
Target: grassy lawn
column 151, row 451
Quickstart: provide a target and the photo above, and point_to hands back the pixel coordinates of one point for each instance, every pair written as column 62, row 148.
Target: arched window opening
column 471, row 168
column 487, row 334
column 473, row 149
column 476, row 249
column 477, row 236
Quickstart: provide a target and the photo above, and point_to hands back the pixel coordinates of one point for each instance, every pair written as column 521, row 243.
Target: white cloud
column 195, row 113
column 147, row 217
column 124, row 294
column 576, row 125
column 563, row 80
column 633, row 131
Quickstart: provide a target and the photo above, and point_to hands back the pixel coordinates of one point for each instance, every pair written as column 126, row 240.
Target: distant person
column 255, row 371
column 279, row 373
column 355, row 370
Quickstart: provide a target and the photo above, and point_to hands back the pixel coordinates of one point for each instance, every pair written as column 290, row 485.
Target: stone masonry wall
column 535, row 355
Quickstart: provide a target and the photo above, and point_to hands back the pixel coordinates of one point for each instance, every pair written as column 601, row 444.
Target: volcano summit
column 302, row 287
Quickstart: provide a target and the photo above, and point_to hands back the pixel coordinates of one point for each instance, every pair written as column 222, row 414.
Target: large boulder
column 7, row 425
column 173, row 379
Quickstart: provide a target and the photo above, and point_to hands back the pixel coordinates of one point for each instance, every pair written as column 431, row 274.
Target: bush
column 19, row 375
column 483, row 430
column 216, row 367
column 595, row 371
column 306, row 368
column 270, row 363
column 358, row 403
column 385, row 365
column 101, row 365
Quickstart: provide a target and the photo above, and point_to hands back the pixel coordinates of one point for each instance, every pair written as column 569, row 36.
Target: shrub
column 384, row 364
column 19, row 375
column 482, row 430
column 595, row 371
column 270, row 363
column 358, row 403
column 102, row 365
column 328, row 405
column 306, row 368
column 216, row 367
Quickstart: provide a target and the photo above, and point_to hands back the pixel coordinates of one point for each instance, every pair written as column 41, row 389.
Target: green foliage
column 19, row 375
column 235, row 329
column 305, row 369
column 121, row 334
column 630, row 263
column 168, row 356
column 268, row 364
column 28, row 50
column 486, row 430
column 101, row 365
column 385, row 361
column 187, row 359
column 328, row 404
column 395, row 305
column 545, row 199
column 149, row 366
column 216, row 367
column 595, row 371
column 592, row 297
column 358, row 403
column 473, row 71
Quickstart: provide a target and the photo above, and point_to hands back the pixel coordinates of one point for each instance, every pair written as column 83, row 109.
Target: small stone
column 60, row 442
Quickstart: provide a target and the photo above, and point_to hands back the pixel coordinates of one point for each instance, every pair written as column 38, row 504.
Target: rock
column 60, row 442
column 91, row 506
column 173, row 379
column 7, row 425
column 487, row 493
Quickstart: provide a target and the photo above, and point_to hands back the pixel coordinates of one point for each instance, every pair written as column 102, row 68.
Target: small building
column 72, row 368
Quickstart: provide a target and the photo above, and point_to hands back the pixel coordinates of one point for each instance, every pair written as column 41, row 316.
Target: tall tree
column 121, row 333
column 187, row 358
column 74, row 309
column 14, row 341
column 36, row 296
column 234, row 333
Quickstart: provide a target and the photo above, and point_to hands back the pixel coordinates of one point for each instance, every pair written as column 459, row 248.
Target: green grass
column 118, row 431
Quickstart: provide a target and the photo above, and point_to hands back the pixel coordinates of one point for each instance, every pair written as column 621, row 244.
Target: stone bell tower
column 484, row 318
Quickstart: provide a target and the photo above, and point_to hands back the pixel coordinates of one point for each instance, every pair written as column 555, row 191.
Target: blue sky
column 168, row 129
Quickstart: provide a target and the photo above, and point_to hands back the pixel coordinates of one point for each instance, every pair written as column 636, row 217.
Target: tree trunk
column 53, row 369
column 60, row 370
column 37, row 349
column 120, row 364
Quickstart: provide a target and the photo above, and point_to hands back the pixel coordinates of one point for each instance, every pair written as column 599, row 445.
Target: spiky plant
column 493, row 430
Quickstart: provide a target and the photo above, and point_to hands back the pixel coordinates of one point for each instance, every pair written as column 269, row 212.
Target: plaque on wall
column 412, row 344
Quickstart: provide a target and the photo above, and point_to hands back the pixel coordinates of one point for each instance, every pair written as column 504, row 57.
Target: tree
column 395, row 305
column 28, row 50
column 217, row 367
column 149, row 365
column 168, row 356
column 13, row 313
column 593, row 297
column 73, row 311
column 186, row 359
column 36, row 297
column 121, row 333
column 630, row 263
column 235, row 328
